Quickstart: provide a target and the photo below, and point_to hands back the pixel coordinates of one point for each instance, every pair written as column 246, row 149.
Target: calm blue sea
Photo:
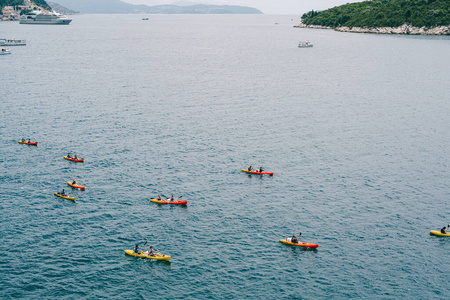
column 356, row 130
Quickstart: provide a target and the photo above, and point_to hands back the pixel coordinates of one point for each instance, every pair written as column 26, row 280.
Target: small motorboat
column 4, row 51
column 305, row 44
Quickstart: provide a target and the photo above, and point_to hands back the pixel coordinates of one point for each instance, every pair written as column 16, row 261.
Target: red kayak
column 26, row 143
column 256, row 172
column 168, row 202
column 74, row 159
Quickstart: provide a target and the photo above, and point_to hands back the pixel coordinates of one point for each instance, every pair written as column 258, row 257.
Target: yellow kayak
column 143, row 255
column 178, row 202
column 439, row 233
column 65, row 197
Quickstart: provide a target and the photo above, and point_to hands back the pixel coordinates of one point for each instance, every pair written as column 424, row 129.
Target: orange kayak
column 256, row 172
column 26, row 143
column 300, row 244
column 76, row 185
column 74, row 159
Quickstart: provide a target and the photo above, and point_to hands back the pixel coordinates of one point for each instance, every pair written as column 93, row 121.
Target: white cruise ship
column 44, row 18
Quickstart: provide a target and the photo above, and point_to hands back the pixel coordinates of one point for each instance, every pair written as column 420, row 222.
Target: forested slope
column 383, row 13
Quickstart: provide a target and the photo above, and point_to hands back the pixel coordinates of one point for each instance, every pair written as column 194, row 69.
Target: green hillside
column 42, row 4
column 383, row 13
column 4, row 3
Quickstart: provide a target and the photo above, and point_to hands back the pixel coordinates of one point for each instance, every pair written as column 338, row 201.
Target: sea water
column 356, row 130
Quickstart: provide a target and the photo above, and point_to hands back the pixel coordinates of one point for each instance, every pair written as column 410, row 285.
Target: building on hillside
column 10, row 14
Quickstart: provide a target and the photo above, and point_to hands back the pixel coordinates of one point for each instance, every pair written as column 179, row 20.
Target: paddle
column 143, row 249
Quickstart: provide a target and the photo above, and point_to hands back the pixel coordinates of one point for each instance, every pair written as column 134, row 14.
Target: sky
column 275, row 7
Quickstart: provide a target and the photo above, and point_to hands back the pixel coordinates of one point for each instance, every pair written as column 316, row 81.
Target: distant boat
column 4, row 51
column 37, row 17
column 305, row 44
column 12, row 42
column 145, row 19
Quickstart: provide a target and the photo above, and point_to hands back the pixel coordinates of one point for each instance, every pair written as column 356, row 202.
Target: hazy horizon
column 292, row 7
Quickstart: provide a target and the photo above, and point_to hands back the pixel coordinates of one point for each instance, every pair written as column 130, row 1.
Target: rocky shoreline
column 404, row 29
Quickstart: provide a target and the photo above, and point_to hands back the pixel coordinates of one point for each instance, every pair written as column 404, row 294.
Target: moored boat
column 305, row 44
column 4, row 51
column 12, row 42
column 40, row 18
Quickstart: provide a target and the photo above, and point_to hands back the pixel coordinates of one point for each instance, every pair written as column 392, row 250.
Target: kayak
column 439, row 233
column 65, row 197
column 74, row 159
column 76, row 185
column 300, row 244
column 143, row 255
column 26, row 143
column 257, row 172
column 168, row 202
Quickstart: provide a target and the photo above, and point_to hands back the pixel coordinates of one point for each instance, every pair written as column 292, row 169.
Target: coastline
column 403, row 29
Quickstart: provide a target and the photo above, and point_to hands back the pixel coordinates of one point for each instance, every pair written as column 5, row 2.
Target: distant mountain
column 61, row 9
column 202, row 9
column 119, row 7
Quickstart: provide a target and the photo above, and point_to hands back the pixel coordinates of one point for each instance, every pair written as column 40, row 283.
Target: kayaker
column 172, row 199
column 250, row 168
column 136, row 249
column 443, row 230
column 29, row 141
column 73, row 181
column 23, row 140
column 294, row 239
column 151, row 252
column 63, row 193
column 76, row 157
column 159, row 197
column 260, row 170
column 68, row 155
